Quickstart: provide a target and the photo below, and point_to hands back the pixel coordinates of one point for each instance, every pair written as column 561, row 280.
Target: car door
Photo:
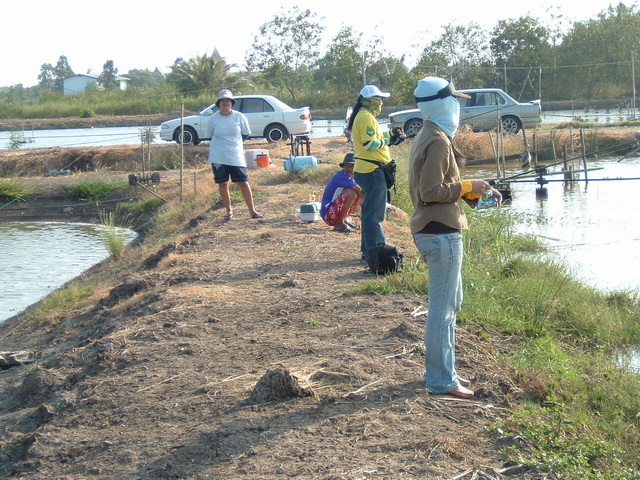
column 259, row 112
column 480, row 111
column 202, row 128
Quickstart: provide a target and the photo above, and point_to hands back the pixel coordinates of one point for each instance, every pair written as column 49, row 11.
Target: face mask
column 373, row 104
column 444, row 112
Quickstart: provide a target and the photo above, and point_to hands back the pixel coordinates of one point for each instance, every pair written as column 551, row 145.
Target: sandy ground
column 240, row 352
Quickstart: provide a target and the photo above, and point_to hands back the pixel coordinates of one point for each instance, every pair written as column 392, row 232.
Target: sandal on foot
column 257, row 215
column 228, row 216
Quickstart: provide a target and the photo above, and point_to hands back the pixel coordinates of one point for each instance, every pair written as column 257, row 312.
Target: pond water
column 36, row 258
column 106, row 136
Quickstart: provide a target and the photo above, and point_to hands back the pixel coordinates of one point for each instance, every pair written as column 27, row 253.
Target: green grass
column 114, row 236
column 92, row 190
column 140, row 207
column 12, row 191
column 52, row 308
column 133, row 101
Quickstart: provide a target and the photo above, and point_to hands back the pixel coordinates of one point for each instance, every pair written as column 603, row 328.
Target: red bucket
column 262, row 161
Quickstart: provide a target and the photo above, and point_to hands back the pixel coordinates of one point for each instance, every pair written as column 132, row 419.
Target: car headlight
column 164, row 127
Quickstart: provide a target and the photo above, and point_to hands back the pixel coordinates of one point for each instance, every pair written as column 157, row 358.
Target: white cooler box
column 310, row 212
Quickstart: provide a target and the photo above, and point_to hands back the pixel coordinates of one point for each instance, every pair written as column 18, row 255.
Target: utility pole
column 364, row 70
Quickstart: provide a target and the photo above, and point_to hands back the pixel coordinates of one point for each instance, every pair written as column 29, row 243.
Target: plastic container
column 262, row 161
column 251, row 155
column 487, row 200
column 299, row 163
column 310, row 212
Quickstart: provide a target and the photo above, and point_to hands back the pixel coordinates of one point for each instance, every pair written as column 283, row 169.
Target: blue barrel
column 299, row 163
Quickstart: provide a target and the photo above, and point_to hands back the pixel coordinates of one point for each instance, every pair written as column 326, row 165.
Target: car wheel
column 275, row 133
column 189, row 136
column 511, row 124
column 412, row 127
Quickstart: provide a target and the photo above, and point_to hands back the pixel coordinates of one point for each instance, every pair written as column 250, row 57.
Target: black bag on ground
column 384, row 259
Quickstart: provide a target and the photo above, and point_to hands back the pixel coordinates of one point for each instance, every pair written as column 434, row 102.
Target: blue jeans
column 443, row 256
column 374, row 206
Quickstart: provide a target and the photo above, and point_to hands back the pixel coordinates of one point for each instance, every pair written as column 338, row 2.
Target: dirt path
column 161, row 376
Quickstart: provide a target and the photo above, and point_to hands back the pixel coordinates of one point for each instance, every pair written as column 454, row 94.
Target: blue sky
column 149, row 34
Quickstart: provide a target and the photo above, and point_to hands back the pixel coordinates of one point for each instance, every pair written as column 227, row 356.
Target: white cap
column 369, row 91
column 432, row 88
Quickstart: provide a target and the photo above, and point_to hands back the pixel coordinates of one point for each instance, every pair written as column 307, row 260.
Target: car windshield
column 210, row 110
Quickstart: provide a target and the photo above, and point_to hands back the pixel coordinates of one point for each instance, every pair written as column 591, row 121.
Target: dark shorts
column 222, row 173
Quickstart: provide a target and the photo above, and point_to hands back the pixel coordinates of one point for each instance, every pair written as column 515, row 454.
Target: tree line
column 529, row 59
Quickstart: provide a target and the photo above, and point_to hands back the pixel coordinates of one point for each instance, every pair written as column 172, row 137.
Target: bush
column 12, row 191
column 92, row 190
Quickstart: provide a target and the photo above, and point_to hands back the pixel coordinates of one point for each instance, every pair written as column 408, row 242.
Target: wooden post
column 565, row 164
column 553, row 145
column 571, row 139
column 181, row 150
column 195, row 182
column 534, row 157
column 142, row 145
column 149, row 149
column 495, row 155
column 584, row 156
column 526, row 155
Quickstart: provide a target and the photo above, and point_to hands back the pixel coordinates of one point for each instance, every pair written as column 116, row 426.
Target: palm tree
column 206, row 73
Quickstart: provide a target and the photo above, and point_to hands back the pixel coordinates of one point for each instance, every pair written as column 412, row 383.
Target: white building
column 80, row 82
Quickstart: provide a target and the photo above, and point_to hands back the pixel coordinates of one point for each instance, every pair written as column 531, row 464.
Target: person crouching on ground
column 437, row 193
column 226, row 155
column 341, row 195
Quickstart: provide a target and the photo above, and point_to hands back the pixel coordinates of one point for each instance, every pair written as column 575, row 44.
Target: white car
column 481, row 111
column 268, row 117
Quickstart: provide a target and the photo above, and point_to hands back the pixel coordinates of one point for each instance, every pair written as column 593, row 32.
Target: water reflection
column 37, row 258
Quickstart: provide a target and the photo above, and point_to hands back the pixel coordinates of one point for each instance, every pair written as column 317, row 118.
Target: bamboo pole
column 181, row 151
column 495, row 155
column 584, row 155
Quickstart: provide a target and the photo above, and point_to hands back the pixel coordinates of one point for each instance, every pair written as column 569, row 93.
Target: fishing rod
column 564, row 172
column 542, row 170
column 533, row 180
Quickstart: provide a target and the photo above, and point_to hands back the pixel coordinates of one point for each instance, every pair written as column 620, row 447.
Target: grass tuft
column 92, row 190
column 13, row 191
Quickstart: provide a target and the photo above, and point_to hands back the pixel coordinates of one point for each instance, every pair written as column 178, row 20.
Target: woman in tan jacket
column 437, row 193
